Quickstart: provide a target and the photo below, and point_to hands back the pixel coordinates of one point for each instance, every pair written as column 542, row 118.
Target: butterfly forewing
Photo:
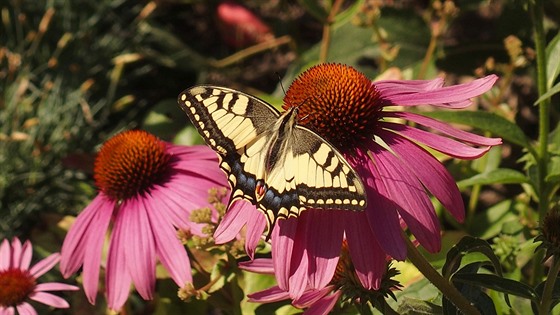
column 281, row 172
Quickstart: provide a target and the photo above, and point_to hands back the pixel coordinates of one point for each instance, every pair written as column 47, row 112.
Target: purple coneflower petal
column 26, row 254
column 7, row 311
column 449, row 96
column 16, row 252
column 49, row 299
column 26, row 309
column 325, row 305
column 55, row 286
column 443, row 144
column 273, row 294
column 236, row 217
column 259, row 265
column 312, row 296
column 254, row 234
column 44, row 265
column 381, row 210
column 76, row 241
column 282, row 249
column 169, row 248
column 368, row 257
column 415, row 207
column 324, row 237
column 117, row 276
column 445, row 128
column 433, row 175
column 5, row 256
column 140, row 249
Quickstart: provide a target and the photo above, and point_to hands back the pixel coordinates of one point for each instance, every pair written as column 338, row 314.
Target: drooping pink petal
column 368, row 257
column 76, row 240
column 44, row 265
column 117, row 276
column 25, row 309
column 258, row 265
column 323, row 242
column 234, row 219
column 96, row 233
column 312, row 296
column 140, row 248
column 443, row 144
column 325, row 305
column 5, row 255
column 433, row 175
column 49, row 299
column 283, row 236
column 170, row 250
column 26, row 254
column 273, row 294
column 55, row 286
column 381, row 210
column 445, row 128
column 414, row 205
column 254, row 233
column 455, row 96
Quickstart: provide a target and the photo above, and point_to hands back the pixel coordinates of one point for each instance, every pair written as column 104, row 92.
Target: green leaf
column 465, row 246
column 555, row 89
column 491, row 281
column 484, row 121
column 553, row 175
column 498, row 176
column 348, row 14
column 489, row 223
column 314, row 9
column 553, row 62
column 410, row 306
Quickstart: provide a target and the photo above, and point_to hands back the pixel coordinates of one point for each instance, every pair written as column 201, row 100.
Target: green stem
column 546, row 301
column 448, row 290
column 326, row 41
column 537, row 14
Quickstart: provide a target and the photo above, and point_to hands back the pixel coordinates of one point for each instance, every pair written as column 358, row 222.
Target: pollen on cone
column 129, row 163
column 336, row 101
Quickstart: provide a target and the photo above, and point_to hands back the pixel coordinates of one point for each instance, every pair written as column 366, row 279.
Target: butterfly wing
column 236, row 125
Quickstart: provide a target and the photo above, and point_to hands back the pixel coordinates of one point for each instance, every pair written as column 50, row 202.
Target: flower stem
column 546, row 301
column 448, row 290
column 537, row 14
column 326, row 41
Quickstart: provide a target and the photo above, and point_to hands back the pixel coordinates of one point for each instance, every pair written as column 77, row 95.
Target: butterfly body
column 271, row 161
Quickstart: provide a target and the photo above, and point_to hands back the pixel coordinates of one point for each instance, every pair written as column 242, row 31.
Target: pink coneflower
column 349, row 110
column 343, row 287
column 147, row 188
column 18, row 282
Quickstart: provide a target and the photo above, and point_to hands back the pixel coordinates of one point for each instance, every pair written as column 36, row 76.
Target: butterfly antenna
column 280, row 81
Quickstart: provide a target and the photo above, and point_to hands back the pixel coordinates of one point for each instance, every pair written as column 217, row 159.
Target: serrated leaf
column 497, row 283
column 553, row 62
column 553, row 175
column 497, row 176
column 490, row 122
column 553, row 90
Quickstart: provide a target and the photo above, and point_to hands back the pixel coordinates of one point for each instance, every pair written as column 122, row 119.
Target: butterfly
column 281, row 167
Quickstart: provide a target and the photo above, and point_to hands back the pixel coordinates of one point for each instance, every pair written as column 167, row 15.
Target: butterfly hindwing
column 281, row 172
